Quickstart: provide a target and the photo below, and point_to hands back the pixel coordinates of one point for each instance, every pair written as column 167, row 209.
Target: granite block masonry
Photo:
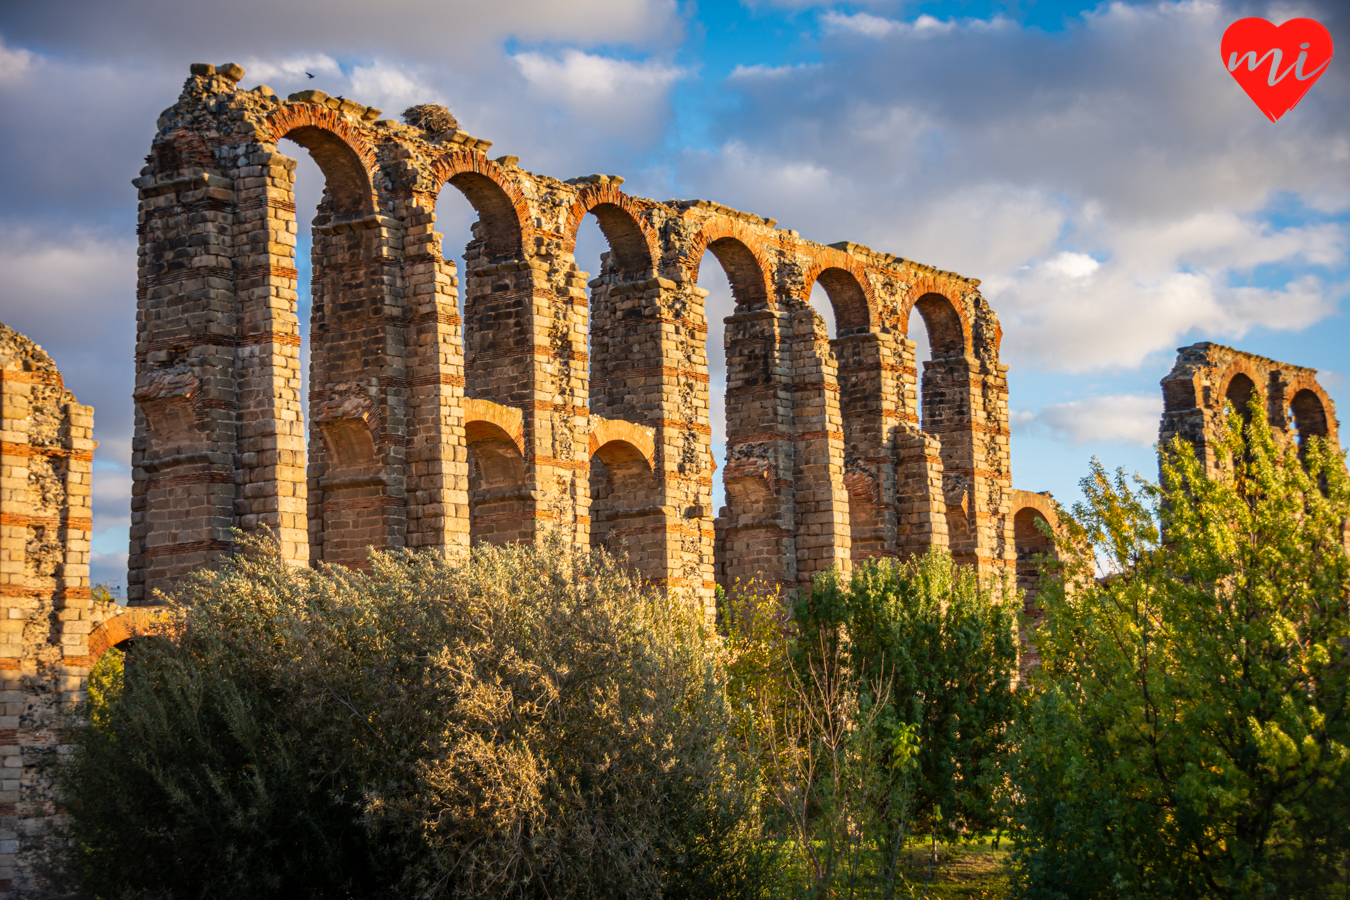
column 560, row 400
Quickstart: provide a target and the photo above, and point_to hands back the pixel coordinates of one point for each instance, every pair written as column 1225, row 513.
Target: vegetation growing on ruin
column 1190, row 735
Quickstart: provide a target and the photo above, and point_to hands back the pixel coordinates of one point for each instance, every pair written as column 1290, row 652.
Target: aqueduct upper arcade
column 544, row 406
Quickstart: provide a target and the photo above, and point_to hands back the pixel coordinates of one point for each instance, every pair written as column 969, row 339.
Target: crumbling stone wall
column 431, row 432
column 46, row 457
column 1206, row 376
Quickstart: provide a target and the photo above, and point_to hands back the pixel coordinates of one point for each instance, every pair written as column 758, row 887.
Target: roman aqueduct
column 545, row 406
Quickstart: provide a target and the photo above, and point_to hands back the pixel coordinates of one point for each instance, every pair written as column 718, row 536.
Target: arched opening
column 1239, row 393
column 347, row 191
column 456, row 221
column 847, row 301
column 499, row 504
column 1309, row 417
column 612, row 244
column 942, row 338
column 624, row 493
column 1032, row 543
column 495, row 297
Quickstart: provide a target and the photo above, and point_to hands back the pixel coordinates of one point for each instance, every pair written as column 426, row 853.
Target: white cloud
column 291, row 68
column 862, row 23
column 586, row 78
column 14, row 63
column 614, row 97
column 389, row 87
column 760, row 70
column 1072, row 265
column 1067, row 311
column 1113, row 418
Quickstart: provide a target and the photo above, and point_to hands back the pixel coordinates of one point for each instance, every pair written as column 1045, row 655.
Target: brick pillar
column 270, row 466
column 920, row 504
column 993, row 482
column 628, row 515
column 650, row 367
column 359, row 390
column 684, row 436
column 759, row 525
column 560, row 450
column 437, row 452
column 185, row 449
column 46, row 454
column 821, row 499
column 869, row 400
column 525, row 348
column 949, row 399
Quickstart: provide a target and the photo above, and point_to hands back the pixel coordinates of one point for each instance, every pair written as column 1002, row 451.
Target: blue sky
column 1093, row 164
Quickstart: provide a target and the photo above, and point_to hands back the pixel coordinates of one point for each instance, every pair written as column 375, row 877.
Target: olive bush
column 530, row 723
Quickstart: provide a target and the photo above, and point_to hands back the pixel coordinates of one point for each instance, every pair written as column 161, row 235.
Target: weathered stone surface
column 46, row 457
column 1206, row 376
column 408, row 444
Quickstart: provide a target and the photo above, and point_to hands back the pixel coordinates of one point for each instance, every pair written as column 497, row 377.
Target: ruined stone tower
column 46, row 456
column 545, row 407
column 1206, row 376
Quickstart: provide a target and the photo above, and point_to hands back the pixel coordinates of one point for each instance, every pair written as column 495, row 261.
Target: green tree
column 532, row 723
column 1190, row 728
column 943, row 642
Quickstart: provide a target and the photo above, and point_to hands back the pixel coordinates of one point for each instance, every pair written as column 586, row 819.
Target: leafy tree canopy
column 1190, row 735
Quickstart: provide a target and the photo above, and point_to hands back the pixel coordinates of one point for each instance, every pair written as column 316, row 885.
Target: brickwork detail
column 560, row 400
column 46, row 458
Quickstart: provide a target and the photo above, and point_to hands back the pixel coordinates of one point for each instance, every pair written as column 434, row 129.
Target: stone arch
column 122, row 629
column 739, row 252
column 624, row 492
column 640, row 438
column 948, row 330
column 1238, row 383
column 1239, row 390
column 341, row 151
column 499, row 460
column 849, row 289
column 483, row 418
column 503, row 210
column 634, row 246
column 500, row 508
column 1029, row 543
column 1308, row 410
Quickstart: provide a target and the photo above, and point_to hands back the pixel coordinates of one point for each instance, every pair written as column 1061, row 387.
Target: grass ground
column 971, row 872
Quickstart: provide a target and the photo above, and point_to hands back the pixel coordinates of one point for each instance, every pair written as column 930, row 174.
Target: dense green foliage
column 532, row 723
column 944, row 643
column 1190, row 736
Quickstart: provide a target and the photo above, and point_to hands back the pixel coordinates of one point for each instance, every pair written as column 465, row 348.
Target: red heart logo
column 1276, row 66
